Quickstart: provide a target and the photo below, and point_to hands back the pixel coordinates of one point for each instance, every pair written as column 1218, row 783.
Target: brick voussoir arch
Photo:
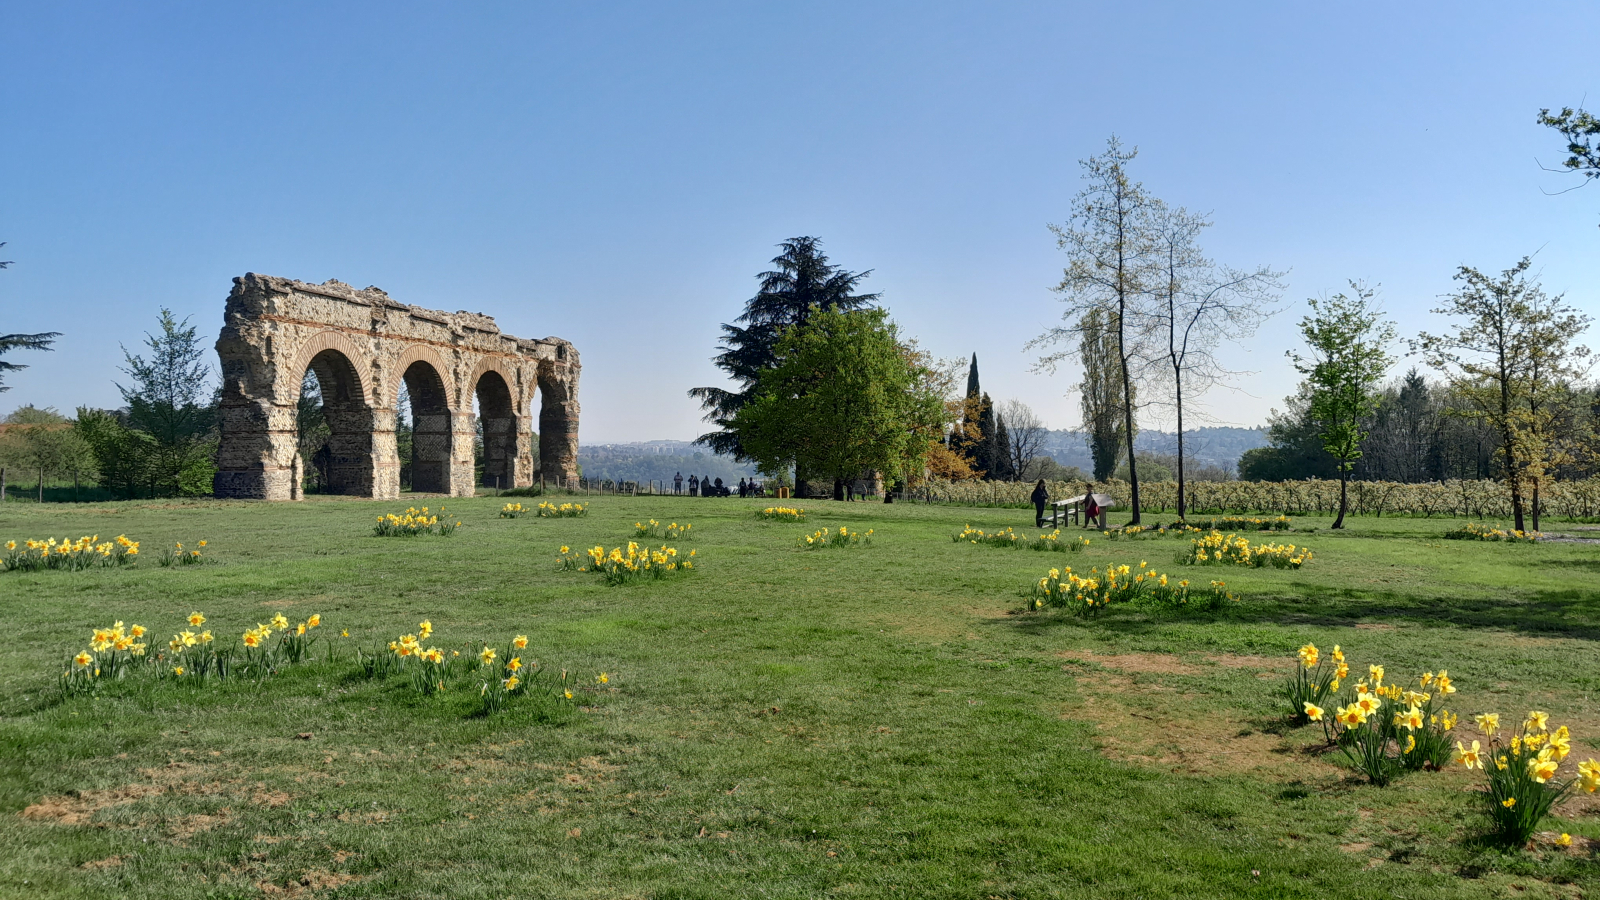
column 288, row 389
column 274, row 327
column 423, row 353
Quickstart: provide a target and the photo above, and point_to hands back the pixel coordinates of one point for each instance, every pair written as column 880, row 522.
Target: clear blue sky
column 615, row 174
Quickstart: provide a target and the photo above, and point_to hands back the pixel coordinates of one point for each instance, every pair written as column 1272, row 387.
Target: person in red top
column 1091, row 510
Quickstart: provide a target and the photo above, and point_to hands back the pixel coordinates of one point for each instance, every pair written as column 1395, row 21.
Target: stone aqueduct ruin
column 362, row 346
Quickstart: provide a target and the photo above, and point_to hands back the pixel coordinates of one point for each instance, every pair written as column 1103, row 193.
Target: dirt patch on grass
column 1152, row 663
column 79, row 807
column 313, row 882
column 1158, row 726
column 185, row 827
column 96, row 865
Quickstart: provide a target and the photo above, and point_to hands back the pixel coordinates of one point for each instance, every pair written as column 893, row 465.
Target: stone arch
column 362, row 346
column 348, row 461
column 431, row 389
column 507, row 450
column 317, row 344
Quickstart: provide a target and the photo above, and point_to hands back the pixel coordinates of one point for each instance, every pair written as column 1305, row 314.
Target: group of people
column 1041, row 498
column 709, row 487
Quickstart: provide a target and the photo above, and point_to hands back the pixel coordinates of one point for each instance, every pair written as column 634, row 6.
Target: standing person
column 720, row 490
column 694, row 485
column 1040, row 497
column 677, row 483
column 743, row 489
column 1091, row 509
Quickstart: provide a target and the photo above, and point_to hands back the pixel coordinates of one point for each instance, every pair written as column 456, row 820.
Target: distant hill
column 1209, row 446
column 658, row 461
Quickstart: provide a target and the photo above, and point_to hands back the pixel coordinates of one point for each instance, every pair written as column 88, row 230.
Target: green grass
column 873, row 722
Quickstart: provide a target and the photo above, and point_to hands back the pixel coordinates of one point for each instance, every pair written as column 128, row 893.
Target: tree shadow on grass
column 1570, row 613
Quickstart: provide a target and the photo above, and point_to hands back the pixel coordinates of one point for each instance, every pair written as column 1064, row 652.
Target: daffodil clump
column 1242, row 523
column 83, row 553
column 1087, row 595
column 415, row 521
column 193, row 654
column 622, row 565
column 782, row 514
column 496, row 675
column 513, row 510
column 1006, row 538
column 1384, row 729
column 176, row 555
column 1217, row 549
column 1472, row 531
column 672, row 532
column 842, row 537
column 549, row 510
column 113, row 653
column 1010, row 539
column 1524, row 773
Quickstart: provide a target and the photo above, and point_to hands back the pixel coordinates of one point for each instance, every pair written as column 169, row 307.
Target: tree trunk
column 2, row 484
column 1183, row 510
column 1344, row 482
column 838, row 489
column 41, row 484
column 1535, row 504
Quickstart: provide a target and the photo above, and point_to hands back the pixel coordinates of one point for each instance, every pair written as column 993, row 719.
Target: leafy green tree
column 845, row 396
column 1509, row 356
column 1347, row 341
column 1582, row 132
column 171, row 402
column 120, row 453
column 801, row 282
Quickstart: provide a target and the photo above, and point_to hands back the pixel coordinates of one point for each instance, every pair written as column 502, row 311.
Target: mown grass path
column 875, row 722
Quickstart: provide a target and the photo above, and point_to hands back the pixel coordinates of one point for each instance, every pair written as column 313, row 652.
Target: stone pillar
column 258, row 451
column 558, row 424
column 463, row 434
column 522, row 471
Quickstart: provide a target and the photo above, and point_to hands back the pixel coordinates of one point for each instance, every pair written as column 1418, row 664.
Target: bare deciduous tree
column 1027, row 433
column 1199, row 305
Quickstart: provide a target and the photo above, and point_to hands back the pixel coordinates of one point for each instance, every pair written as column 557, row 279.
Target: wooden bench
column 1073, row 508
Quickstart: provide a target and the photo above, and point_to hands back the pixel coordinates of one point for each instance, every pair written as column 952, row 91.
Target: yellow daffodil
column 1488, row 723
column 603, row 678
column 487, row 656
column 520, row 641
column 1536, row 721
column 1313, row 711
column 82, row 660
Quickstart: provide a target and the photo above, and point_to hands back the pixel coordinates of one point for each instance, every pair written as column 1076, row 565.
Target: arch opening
column 333, row 428
column 429, row 463
column 496, row 424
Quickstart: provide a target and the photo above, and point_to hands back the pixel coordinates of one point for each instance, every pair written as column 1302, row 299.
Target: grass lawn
column 875, row 721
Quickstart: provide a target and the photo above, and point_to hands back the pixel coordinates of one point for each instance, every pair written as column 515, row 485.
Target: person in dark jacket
column 694, row 486
column 1040, row 497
